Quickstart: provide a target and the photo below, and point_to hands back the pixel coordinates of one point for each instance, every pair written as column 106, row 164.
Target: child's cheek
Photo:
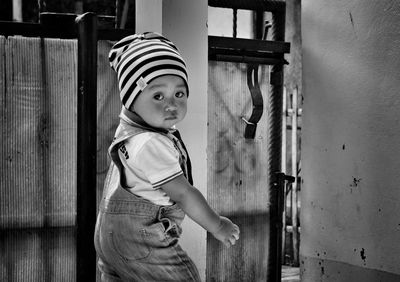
column 182, row 104
column 159, row 107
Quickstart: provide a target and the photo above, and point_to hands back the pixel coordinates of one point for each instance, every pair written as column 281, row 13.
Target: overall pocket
column 130, row 238
column 171, row 230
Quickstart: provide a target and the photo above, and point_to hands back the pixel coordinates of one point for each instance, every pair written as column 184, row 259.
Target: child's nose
column 171, row 105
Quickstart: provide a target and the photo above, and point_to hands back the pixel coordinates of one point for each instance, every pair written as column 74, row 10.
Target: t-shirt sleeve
column 158, row 160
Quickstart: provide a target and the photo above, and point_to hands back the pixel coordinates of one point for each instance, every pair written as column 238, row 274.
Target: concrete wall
column 350, row 151
column 185, row 23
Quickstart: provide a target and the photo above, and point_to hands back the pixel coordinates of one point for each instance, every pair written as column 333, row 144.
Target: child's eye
column 158, row 97
column 180, row 94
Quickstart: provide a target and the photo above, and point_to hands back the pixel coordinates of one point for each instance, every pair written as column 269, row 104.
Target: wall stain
column 322, row 267
column 351, row 19
column 355, row 182
column 352, row 23
column 362, row 254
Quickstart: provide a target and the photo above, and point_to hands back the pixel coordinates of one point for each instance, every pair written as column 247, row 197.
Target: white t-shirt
column 149, row 160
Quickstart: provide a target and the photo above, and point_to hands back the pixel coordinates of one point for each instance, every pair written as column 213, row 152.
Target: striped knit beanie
column 139, row 58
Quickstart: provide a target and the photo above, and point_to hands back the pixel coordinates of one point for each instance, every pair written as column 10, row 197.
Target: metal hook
column 256, row 97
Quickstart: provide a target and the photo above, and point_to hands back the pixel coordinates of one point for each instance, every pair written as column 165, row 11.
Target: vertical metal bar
column 132, row 17
column 279, row 195
column 283, row 166
column 275, row 133
column 86, row 159
column 234, row 23
column 294, row 173
column 258, row 24
column 284, row 128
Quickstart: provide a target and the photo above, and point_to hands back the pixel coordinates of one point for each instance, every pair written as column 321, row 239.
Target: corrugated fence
column 238, row 173
column 38, row 109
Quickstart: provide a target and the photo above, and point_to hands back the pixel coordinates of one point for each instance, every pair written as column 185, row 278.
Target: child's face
column 163, row 102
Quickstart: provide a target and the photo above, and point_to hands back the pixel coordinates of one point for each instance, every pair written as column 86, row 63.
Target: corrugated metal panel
column 238, row 174
column 40, row 134
column 22, row 202
column 38, row 87
column 38, row 160
column 32, row 255
column 60, row 129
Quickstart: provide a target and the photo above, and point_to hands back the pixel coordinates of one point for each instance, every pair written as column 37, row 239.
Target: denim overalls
column 135, row 239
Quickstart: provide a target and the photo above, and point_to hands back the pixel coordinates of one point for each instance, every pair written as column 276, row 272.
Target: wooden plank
column 237, row 174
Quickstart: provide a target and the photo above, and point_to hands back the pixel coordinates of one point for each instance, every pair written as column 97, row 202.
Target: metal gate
column 244, row 145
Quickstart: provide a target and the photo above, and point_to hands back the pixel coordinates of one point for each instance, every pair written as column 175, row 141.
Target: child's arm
column 196, row 207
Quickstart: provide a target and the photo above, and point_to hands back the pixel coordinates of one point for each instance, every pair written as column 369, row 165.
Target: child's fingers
column 236, row 232
column 231, row 240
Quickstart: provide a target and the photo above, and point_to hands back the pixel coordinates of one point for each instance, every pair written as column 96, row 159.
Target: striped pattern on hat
column 139, row 58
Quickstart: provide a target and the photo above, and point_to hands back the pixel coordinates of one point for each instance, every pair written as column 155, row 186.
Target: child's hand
column 227, row 233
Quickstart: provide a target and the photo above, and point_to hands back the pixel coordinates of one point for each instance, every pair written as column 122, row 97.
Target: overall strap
column 131, row 124
column 114, row 177
column 187, row 169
